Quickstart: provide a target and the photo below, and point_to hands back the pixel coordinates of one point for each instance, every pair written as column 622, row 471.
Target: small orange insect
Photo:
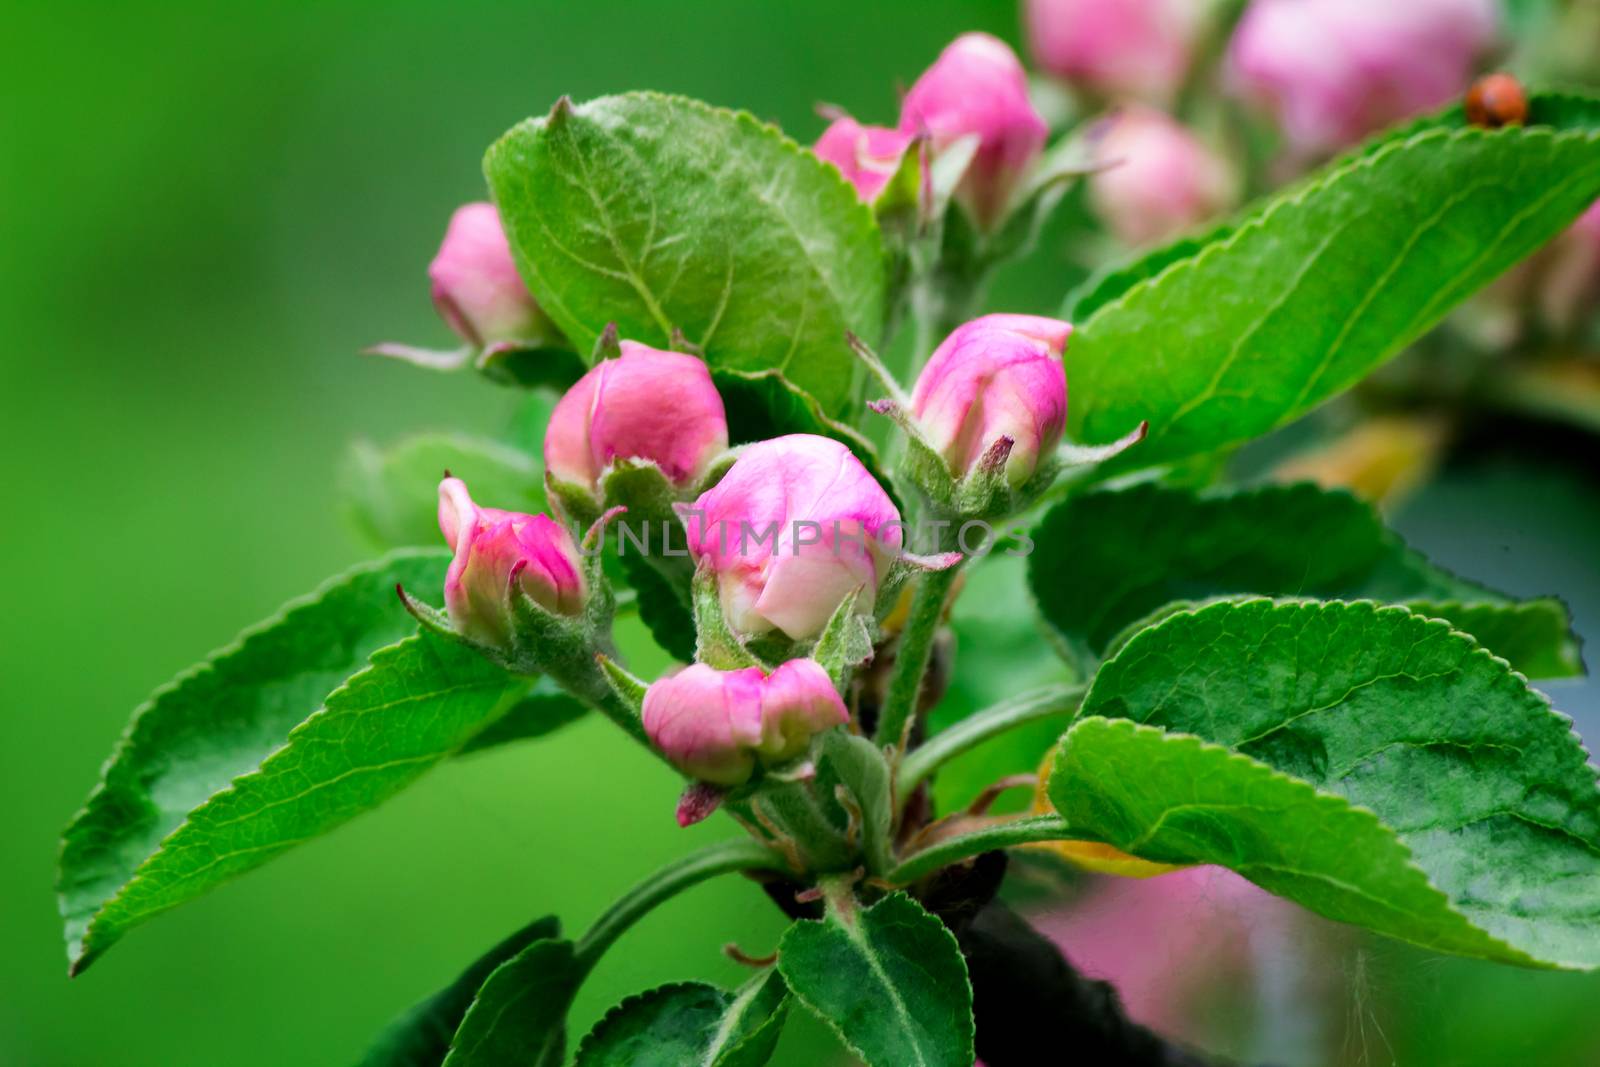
column 1497, row 100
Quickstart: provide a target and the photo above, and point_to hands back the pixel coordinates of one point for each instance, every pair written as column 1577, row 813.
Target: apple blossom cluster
column 785, row 536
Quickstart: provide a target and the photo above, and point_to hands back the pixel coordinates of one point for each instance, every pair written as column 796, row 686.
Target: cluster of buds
column 1333, row 71
column 973, row 100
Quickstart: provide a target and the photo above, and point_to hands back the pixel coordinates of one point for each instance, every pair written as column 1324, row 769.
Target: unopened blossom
column 646, row 404
column 1159, row 178
column 499, row 555
column 977, row 88
column 476, row 286
column 996, row 377
column 715, row 725
column 1569, row 285
column 1117, row 48
column 866, row 155
column 795, row 526
column 1334, row 71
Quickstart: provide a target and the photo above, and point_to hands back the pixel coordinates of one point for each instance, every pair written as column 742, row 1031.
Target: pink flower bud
column 647, row 404
column 1160, row 179
column 794, row 527
column 1135, row 48
column 996, row 376
column 499, row 553
column 476, row 286
column 1569, row 287
column 978, row 88
column 866, row 155
column 714, row 725
column 1333, row 71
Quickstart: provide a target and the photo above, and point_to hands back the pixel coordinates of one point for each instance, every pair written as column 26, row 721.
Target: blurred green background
column 207, row 211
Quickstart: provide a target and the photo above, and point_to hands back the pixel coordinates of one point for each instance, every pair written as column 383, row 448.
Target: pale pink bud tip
column 795, row 526
column 996, row 377
column 1137, row 48
column 499, row 554
column 476, row 286
column 1160, row 179
column 1335, row 70
column 715, row 725
column 647, row 404
column 978, row 88
column 866, row 155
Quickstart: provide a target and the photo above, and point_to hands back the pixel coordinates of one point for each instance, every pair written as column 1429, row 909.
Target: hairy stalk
column 911, row 660
column 723, row 858
column 1025, row 830
column 1041, row 703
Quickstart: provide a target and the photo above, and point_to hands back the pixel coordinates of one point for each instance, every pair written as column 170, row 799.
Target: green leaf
column 1222, row 343
column 1434, row 797
column 853, row 777
column 519, row 1015
column 220, row 719
column 420, row 701
column 889, row 980
column 661, row 608
column 421, row 1037
column 538, row 714
column 656, row 212
column 690, row 1023
column 1107, row 560
column 393, row 492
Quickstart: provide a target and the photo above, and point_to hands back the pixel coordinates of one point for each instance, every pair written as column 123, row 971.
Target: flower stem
column 911, row 661
column 1026, row 830
column 1041, row 703
column 739, row 854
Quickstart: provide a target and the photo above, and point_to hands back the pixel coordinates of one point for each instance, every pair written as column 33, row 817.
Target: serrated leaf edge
column 1321, row 797
column 208, row 663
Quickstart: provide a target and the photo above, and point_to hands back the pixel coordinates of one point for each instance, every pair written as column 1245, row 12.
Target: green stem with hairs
column 1026, row 830
column 740, row 854
column 1042, row 703
column 911, row 660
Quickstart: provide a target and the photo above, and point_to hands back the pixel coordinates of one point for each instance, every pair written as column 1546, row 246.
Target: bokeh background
column 205, row 211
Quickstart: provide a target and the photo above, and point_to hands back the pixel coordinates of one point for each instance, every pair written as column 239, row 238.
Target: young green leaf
column 420, row 701
column 1326, row 281
column 221, row 718
column 658, row 212
column 520, row 1013
column 691, row 1023
column 1108, row 560
column 888, row 979
column 1433, row 797
column 393, row 491
column 421, row 1037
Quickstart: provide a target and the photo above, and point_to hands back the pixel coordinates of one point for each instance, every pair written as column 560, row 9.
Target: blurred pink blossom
column 1334, row 71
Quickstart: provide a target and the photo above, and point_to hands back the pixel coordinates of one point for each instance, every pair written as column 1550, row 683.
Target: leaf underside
column 519, row 1014
column 1375, row 765
column 658, row 212
column 1116, row 557
column 1225, row 339
column 393, row 491
column 421, row 1037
